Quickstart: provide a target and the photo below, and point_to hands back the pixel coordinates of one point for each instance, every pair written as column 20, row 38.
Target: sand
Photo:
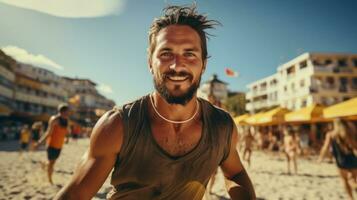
column 22, row 176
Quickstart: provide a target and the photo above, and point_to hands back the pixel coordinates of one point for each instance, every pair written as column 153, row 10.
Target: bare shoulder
column 53, row 119
column 107, row 135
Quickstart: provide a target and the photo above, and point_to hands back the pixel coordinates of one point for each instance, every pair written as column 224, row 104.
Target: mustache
column 174, row 73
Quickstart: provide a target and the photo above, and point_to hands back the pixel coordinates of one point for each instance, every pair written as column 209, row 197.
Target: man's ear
column 149, row 65
column 204, row 66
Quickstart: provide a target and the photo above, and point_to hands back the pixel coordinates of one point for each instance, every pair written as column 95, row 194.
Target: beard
column 184, row 97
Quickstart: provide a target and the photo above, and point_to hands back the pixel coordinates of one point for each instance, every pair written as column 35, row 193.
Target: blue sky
column 109, row 45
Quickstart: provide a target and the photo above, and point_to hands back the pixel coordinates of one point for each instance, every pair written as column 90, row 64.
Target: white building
column 321, row 78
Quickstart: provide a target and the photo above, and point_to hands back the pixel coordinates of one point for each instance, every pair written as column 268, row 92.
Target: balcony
column 332, row 69
column 25, row 97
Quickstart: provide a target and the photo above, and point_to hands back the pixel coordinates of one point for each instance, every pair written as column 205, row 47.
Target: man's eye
column 188, row 54
column 166, row 54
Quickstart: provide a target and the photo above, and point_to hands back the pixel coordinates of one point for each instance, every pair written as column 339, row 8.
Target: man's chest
column 177, row 141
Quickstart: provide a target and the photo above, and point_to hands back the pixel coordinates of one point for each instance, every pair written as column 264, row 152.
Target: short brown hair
column 63, row 108
column 182, row 15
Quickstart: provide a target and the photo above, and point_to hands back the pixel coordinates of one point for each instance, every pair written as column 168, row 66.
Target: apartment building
column 263, row 94
column 37, row 92
column 311, row 78
column 87, row 101
column 7, row 82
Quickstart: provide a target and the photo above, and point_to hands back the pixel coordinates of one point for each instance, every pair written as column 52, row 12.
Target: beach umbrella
column 346, row 109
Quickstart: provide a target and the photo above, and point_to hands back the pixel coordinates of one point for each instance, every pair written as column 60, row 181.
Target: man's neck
column 174, row 112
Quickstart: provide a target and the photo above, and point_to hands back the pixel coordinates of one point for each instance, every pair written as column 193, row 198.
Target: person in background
column 343, row 140
column 291, row 149
column 36, row 130
column 247, row 142
column 25, row 135
column 58, row 128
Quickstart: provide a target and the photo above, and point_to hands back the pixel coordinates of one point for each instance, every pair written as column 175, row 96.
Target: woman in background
column 343, row 140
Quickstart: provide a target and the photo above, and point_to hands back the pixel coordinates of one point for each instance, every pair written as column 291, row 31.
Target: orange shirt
column 25, row 136
column 56, row 139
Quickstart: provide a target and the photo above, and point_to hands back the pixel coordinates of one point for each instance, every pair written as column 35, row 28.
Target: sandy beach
column 22, row 177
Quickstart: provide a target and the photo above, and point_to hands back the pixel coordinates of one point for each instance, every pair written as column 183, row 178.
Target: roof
column 214, row 79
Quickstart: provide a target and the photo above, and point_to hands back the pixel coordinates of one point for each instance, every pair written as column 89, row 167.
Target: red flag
column 231, row 73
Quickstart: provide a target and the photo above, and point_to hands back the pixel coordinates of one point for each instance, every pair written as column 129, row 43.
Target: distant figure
column 247, row 143
column 304, row 141
column 55, row 135
column 36, row 133
column 24, row 138
column 291, row 148
column 343, row 140
column 76, row 131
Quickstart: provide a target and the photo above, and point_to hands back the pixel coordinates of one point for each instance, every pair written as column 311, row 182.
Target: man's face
column 176, row 63
column 65, row 114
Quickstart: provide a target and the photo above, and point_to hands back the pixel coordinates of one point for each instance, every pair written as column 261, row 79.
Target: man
column 24, row 138
column 165, row 145
column 55, row 135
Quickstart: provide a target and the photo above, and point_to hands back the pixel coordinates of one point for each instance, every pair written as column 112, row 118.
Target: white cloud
column 71, row 8
column 105, row 89
column 39, row 60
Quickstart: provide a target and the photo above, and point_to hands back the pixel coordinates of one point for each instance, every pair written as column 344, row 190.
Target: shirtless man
column 56, row 132
column 291, row 148
column 167, row 144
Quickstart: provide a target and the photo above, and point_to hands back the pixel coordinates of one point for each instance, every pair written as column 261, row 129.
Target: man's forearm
column 245, row 186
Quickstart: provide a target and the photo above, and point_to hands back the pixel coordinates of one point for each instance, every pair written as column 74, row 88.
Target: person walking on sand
column 56, row 133
column 291, row 148
column 247, row 143
column 167, row 144
column 36, row 130
column 343, row 140
column 24, row 138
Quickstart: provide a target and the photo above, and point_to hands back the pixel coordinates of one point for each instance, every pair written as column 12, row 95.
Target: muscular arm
column 233, row 170
column 98, row 161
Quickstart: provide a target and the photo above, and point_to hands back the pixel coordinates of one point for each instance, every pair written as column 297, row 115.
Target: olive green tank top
column 143, row 170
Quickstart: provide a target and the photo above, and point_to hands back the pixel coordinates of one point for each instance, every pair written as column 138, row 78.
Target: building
column 263, row 94
column 215, row 87
column 7, row 83
column 311, row 78
column 37, row 92
column 89, row 105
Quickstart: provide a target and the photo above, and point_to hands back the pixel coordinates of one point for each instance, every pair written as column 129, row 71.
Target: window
column 328, row 62
column 303, row 64
column 343, row 84
column 330, row 82
column 342, row 62
column 303, row 103
column 354, row 83
column 302, row 83
column 354, row 62
column 291, row 70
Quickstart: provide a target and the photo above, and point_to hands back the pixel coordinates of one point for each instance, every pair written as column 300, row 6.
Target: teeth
column 177, row 78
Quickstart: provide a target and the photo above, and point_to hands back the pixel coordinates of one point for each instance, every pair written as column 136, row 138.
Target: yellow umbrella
column 272, row 117
column 253, row 120
column 239, row 120
column 344, row 109
column 311, row 113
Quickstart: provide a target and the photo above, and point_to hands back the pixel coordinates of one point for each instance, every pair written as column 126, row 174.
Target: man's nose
column 176, row 63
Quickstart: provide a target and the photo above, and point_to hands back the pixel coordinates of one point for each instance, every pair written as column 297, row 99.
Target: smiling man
column 165, row 145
